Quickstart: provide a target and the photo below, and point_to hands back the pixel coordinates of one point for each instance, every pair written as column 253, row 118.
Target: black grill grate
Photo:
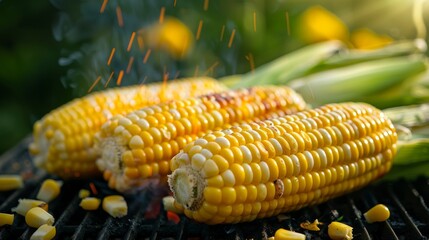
column 407, row 200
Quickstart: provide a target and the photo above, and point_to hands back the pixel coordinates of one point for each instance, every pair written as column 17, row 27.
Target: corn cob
column 141, row 144
column 63, row 139
column 265, row 168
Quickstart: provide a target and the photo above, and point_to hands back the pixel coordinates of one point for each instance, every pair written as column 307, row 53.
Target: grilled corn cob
column 141, row 144
column 63, row 139
column 265, row 168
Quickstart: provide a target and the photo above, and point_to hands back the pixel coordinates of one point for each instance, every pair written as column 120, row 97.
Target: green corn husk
column 353, row 56
column 353, row 83
column 288, row 67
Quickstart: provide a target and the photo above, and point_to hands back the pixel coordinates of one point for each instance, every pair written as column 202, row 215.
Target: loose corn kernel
column 6, row 219
column 49, row 190
column 44, row 232
column 90, row 203
column 25, row 204
column 378, row 213
column 169, row 205
column 83, row 193
column 340, row 231
column 37, row 216
column 283, row 234
column 10, row 182
column 115, row 206
column 306, row 165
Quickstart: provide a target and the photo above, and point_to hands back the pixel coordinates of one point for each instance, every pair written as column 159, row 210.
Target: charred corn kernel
column 6, row 219
column 340, row 231
column 64, row 138
column 283, row 234
column 90, row 203
column 26, row 204
column 115, row 206
column 37, row 216
column 295, row 175
column 378, row 213
column 83, row 193
column 10, row 182
column 170, row 205
column 44, row 232
column 132, row 159
column 49, row 190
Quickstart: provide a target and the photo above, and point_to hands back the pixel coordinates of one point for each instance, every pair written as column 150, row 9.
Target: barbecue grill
column 146, row 219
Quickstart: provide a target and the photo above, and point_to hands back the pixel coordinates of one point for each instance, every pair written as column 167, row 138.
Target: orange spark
column 254, row 21
column 196, row 70
column 120, row 76
column 176, row 75
column 119, row 16
column 200, row 26
column 130, row 64
column 146, row 56
column 130, row 43
column 140, row 42
column 95, row 83
column 111, row 56
column 231, row 39
column 93, row 188
column 251, row 62
column 161, row 15
column 222, row 32
column 287, row 23
column 108, row 80
column 103, row 6
column 211, row 68
column 144, row 80
column 206, row 5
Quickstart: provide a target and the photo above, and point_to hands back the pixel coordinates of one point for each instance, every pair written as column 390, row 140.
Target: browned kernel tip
column 280, row 188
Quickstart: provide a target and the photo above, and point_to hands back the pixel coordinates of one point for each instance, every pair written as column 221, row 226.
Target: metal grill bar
column 407, row 200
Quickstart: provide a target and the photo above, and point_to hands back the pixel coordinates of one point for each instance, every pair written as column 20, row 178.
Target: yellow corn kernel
column 83, row 193
column 115, row 206
column 25, row 204
column 283, row 234
column 293, row 175
column 340, row 231
column 133, row 156
column 10, row 182
column 169, row 205
column 6, row 219
column 44, row 232
column 378, row 213
column 90, row 203
column 64, row 142
column 37, row 216
column 49, row 190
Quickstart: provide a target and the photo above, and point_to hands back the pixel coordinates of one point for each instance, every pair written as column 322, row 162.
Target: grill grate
column 407, row 200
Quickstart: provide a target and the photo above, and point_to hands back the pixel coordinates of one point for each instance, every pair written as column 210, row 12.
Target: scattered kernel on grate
column 44, row 232
column 37, row 216
column 378, row 213
column 90, row 203
column 49, row 190
column 25, row 204
column 340, row 231
column 83, row 193
column 6, row 219
column 283, row 234
column 10, row 182
column 115, row 206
